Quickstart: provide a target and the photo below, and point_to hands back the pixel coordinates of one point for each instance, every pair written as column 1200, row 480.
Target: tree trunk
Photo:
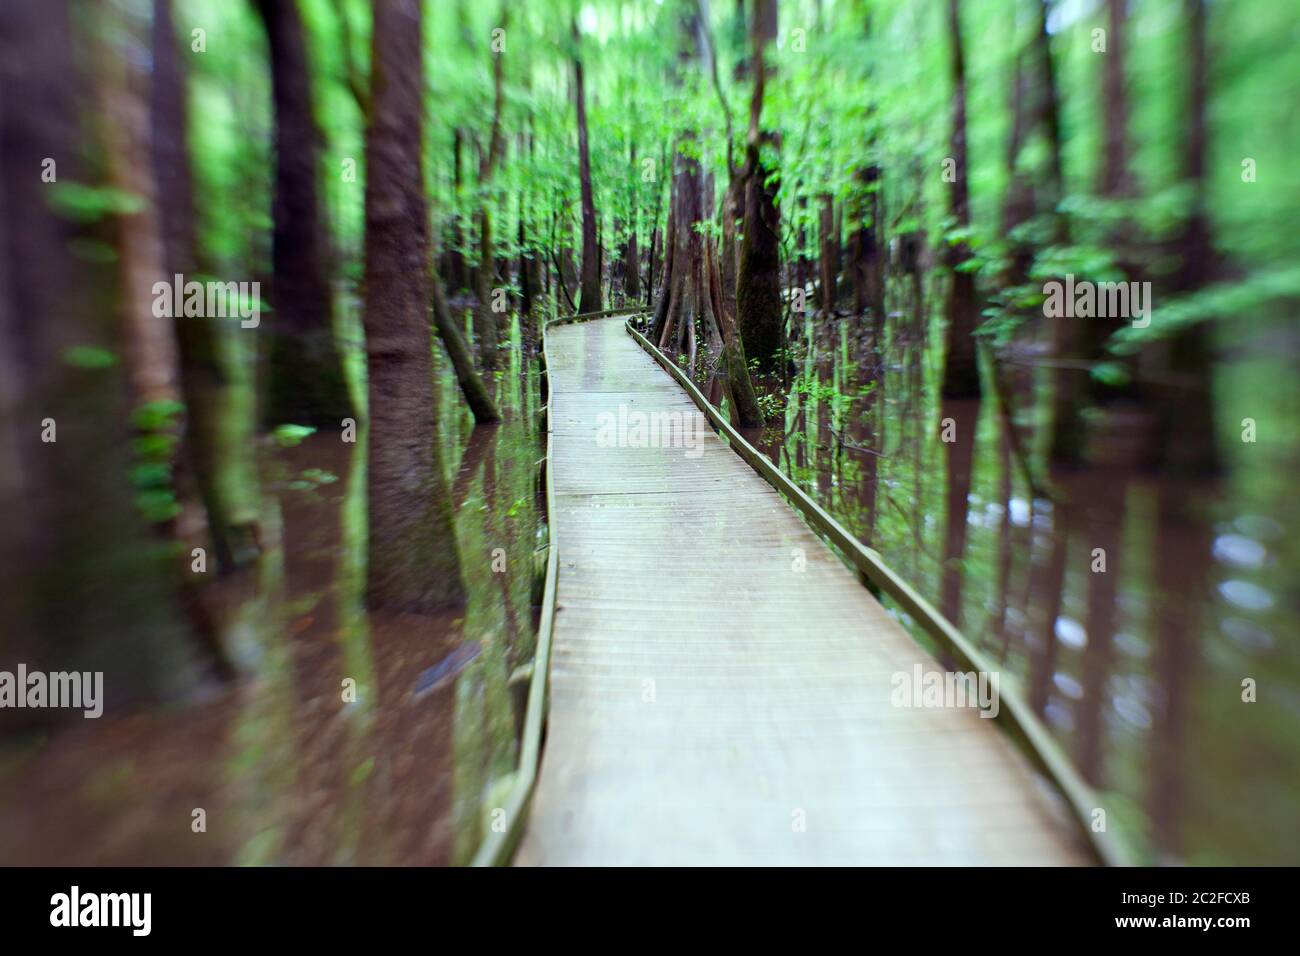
column 961, row 366
column 150, row 339
column 485, row 320
column 485, row 323
column 232, row 528
column 867, row 249
column 741, row 390
column 733, row 227
column 589, row 299
column 305, row 375
column 829, row 254
column 1114, row 178
column 632, row 268
column 1187, row 445
column 471, row 385
column 665, row 273
column 86, row 587
column 653, row 262
column 525, row 268
column 684, row 295
column 414, row 564
column 455, row 271
column 959, row 457
column 759, row 307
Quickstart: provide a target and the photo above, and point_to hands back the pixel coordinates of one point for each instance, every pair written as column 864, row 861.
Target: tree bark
column 632, row 265
column 867, row 249
column 1187, row 432
column 829, row 254
column 589, row 299
column 471, row 384
column 759, row 307
column 961, row 366
column 86, row 586
column 232, row 529
column 305, row 374
column 414, row 564
column 1114, row 178
column 485, row 321
column 743, row 400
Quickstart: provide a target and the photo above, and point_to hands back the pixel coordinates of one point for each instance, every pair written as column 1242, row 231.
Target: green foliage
column 88, row 204
column 151, row 475
column 89, row 357
column 286, row 436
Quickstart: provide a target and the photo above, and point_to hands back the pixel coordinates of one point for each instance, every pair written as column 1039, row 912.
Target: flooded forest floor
column 1133, row 668
column 358, row 737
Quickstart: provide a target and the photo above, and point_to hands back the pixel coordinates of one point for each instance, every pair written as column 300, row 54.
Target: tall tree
column 204, row 383
column 1187, row 434
column 690, row 290
column 589, row 293
column 471, row 384
column 961, row 364
column 828, row 253
column 305, row 376
column 485, row 320
column 87, row 587
column 759, row 312
column 414, row 563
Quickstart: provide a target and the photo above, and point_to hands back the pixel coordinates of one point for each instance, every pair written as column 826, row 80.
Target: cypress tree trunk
column 589, row 299
column 829, row 265
column 961, row 367
column 305, row 376
column 733, row 226
column 204, row 387
column 758, row 275
column 665, row 273
column 1187, row 446
column 867, row 250
column 743, row 400
column 632, row 268
column 86, row 586
column 485, row 321
column 525, row 269
column 759, row 308
column 414, row 565
column 1087, row 340
column 471, row 385
column 454, row 270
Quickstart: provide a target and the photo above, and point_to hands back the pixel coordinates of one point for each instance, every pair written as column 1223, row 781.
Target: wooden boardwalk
column 720, row 684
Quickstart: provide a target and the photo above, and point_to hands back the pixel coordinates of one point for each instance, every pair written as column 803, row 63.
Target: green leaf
column 89, row 357
column 286, row 436
column 84, row 203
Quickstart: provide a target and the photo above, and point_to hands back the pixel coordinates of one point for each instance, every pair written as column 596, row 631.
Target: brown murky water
column 290, row 766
